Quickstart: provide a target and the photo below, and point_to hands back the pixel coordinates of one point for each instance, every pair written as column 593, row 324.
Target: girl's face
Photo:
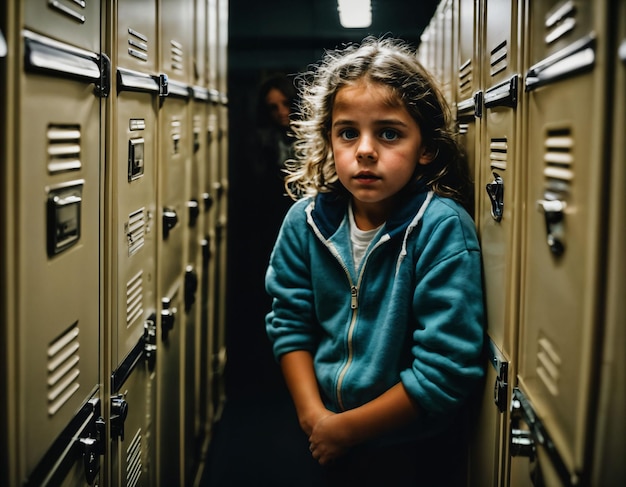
column 377, row 146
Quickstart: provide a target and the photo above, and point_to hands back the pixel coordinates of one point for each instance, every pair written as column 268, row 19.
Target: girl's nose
column 366, row 150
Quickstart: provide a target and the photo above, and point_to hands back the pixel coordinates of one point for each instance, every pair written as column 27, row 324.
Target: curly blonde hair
column 393, row 63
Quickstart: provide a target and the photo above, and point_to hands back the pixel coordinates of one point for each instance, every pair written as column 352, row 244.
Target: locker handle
column 128, row 80
column 56, row 58
column 503, row 94
column 575, row 58
column 553, row 212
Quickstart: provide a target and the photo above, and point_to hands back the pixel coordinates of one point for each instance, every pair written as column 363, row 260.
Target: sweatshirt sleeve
column 449, row 311
column 290, row 323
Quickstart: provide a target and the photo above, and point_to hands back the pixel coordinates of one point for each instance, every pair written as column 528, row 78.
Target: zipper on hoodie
column 354, row 296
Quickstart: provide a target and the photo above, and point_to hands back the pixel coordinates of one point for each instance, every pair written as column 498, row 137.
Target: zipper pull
column 354, row 292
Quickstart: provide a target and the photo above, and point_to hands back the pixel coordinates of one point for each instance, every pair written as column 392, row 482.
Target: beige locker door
column 193, row 433
column 58, row 210
column 133, row 277
column 563, row 232
column 174, row 152
column 74, row 22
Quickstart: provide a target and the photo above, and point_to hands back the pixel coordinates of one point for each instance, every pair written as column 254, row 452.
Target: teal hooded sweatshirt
column 412, row 312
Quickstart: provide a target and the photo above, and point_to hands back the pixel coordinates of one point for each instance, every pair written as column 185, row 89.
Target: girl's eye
column 348, row 134
column 389, row 134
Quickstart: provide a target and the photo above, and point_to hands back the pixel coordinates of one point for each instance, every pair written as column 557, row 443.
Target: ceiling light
column 355, row 13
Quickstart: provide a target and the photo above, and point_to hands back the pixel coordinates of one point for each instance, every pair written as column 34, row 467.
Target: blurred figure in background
column 274, row 144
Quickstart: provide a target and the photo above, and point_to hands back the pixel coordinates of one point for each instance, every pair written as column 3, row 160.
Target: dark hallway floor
column 257, row 442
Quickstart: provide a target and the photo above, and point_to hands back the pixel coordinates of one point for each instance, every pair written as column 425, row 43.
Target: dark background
column 266, row 38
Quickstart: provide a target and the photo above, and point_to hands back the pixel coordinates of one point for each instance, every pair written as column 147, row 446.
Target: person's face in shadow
column 278, row 107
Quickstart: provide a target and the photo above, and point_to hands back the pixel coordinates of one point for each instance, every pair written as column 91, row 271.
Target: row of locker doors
column 539, row 91
column 114, row 223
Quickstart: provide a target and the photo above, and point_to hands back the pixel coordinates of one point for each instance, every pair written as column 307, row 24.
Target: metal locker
column 57, row 210
column 132, row 240
column 500, row 211
column 563, row 232
column 194, row 433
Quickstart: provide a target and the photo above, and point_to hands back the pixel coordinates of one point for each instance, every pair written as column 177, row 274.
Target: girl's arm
column 334, row 434
column 297, row 368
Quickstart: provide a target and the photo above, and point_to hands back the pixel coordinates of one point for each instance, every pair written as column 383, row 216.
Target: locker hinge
column 150, row 341
column 524, row 442
column 478, row 104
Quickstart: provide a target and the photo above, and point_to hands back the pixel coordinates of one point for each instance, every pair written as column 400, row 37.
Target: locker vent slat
column 133, row 461
column 465, row 80
column 137, row 45
column 63, row 148
column 499, row 58
column 560, row 21
column 498, row 149
column 136, row 231
column 69, row 11
column 134, row 298
column 548, row 365
column 558, row 160
column 176, row 56
column 63, row 369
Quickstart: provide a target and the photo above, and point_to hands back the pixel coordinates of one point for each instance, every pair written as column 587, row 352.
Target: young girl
column 377, row 315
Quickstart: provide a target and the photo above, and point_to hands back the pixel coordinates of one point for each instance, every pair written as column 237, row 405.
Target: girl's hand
column 330, row 439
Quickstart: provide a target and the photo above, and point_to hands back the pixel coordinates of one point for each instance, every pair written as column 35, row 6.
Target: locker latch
column 170, row 219
column 93, row 445
column 119, row 411
column 208, row 201
column 168, row 317
column 206, row 251
column 194, row 212
column 191, row 286
column 495, row 190
column 553, row 212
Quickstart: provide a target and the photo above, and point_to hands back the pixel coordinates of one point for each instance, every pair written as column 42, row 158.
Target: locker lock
column 119, row 411
column 495, row 190
column 170, row 219
column 553, row 212
column 206, row 251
